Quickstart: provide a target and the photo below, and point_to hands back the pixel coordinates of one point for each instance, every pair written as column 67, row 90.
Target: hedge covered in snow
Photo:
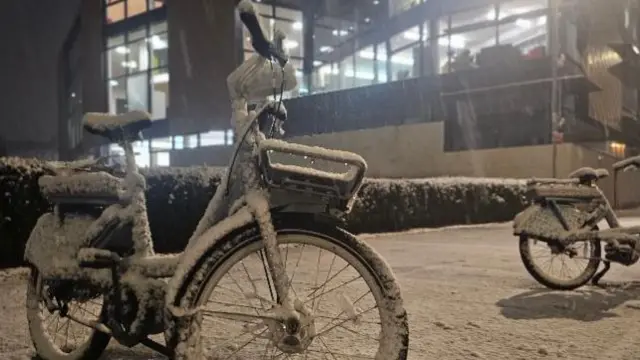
column 177, row 197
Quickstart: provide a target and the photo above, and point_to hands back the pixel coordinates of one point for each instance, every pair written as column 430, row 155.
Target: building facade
column 483, row 67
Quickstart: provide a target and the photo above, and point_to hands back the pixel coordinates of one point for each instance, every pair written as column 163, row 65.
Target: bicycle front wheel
column 352, row 308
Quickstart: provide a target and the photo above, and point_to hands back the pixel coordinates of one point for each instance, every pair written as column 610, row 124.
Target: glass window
column 159, row 93
column 381, row 62
column 212, row 138
column 191, row 141
column 365, row 72
column 293, row 40
column 518, row 7
column 178, row 142
column 114, row 41
column 405, row 38
column 347, row 73
column 161, row 144
column 157, row 28
column 137, row 34
column 478, row 15
column 141, row 149
column 135, row 7
column 525, row 33
column 138, row 57
column 161, row 158
column 115, row 12
column 138, row 92
column 116, row 59
column 117, row 91
column 154, row 4
column 159, row 50
column 402, row 64
column 263, row 9
column 229, row 137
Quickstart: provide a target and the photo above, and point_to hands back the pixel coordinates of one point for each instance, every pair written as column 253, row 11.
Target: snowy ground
column 468, row 296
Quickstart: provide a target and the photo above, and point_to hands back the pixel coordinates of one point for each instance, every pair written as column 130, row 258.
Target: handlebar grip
column 249, row 18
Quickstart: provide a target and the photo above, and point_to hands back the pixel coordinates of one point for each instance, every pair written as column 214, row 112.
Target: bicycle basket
column 311, row 170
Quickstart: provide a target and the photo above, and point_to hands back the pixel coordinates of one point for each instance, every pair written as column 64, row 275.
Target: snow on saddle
column 589, row 174
column 126, row 126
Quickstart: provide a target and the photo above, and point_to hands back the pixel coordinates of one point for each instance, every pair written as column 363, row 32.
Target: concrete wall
column 412, row 151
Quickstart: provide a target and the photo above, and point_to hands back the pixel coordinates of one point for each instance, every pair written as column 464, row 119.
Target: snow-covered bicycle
column 94, row 267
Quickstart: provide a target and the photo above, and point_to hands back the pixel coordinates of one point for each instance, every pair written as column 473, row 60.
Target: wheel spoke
column 239, row 329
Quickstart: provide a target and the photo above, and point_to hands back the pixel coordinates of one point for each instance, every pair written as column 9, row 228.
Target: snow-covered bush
column 177, row 197
column 387, row 205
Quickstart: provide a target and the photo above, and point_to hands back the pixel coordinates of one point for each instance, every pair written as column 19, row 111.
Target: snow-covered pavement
column 468, row 297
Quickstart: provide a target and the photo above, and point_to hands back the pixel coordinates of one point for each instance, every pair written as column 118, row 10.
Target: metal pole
column 554, row 47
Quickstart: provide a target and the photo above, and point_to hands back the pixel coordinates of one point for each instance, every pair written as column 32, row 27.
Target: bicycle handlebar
column 259, row 41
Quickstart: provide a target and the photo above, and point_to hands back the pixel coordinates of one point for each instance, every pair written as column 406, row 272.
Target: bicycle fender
column 189, row 259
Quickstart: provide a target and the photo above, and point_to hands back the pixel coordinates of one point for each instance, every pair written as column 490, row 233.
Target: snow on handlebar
column 259, row 41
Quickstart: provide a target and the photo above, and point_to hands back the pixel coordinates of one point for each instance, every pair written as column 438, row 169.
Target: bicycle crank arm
column 91, row 324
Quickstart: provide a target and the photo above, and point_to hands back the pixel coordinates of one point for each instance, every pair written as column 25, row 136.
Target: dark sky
column 31, row 35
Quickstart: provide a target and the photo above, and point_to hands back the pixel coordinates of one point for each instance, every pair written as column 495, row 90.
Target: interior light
column 272, row 21
column 412, row 35
column 157, row 43
column 122, row 50
column 317, row 62
column 290, row 44
column 635, row 49
column 161, row 78
column 457, row 42
column 337, row 32
column 524, row 23
column 326, row 49
column 491, row 15
column 113, row 82
column 376, row 2
column 296, row 25
column 130, row 64
column 367, row 20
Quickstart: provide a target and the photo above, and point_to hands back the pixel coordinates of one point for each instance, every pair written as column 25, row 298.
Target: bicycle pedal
column 97, row 258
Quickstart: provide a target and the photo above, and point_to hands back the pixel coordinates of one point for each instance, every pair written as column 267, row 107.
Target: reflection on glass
column 137, row 92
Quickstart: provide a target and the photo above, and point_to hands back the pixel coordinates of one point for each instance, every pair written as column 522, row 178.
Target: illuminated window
column 118, row 10
column 137, row 71
column 212, row 138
